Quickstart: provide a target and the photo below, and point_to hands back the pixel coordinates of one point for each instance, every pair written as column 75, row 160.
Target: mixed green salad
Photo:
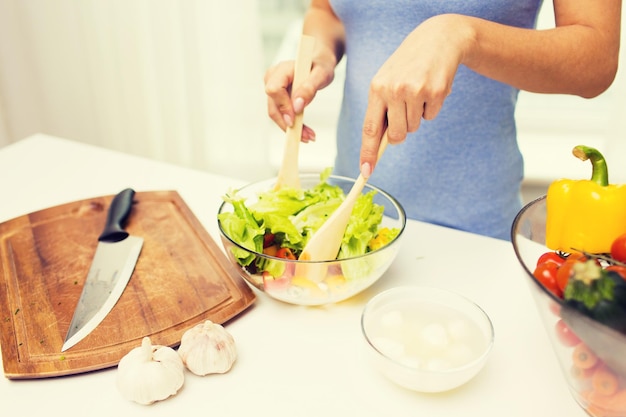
column 280, row 222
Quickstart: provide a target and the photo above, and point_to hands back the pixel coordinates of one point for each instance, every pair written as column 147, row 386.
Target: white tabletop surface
column 294, row 361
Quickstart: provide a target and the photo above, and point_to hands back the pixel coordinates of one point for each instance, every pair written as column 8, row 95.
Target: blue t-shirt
column 464, row 168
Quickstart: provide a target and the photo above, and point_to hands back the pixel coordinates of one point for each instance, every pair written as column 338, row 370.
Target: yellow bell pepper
column 585, row 215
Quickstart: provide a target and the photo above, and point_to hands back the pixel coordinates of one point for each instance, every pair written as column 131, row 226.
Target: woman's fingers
column 278, row 81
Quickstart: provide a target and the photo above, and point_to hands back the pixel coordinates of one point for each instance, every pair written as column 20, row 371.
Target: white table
column 294, row 361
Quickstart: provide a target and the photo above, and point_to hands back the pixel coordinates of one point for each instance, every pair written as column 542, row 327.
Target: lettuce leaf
column 241, row 226
column 362, row 227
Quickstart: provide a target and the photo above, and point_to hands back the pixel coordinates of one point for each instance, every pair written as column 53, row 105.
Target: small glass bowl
column 426, row 339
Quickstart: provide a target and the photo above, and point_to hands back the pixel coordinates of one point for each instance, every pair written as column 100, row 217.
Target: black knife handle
column 116, row 217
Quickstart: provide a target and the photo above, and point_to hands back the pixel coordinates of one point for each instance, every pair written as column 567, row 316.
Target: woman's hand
column 282, row 103
column 413, row 83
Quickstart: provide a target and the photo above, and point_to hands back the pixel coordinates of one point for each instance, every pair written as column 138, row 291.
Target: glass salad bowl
column 264, row 246
column 589, row 353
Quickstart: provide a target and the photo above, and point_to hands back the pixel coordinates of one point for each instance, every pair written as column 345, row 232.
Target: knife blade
column 109, row 273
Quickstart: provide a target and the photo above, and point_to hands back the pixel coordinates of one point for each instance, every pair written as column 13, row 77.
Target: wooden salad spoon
column 324, row 245
column 288, row 175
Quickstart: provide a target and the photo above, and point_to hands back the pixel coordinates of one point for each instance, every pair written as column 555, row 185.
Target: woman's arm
column 320, row 22
column 579, row 56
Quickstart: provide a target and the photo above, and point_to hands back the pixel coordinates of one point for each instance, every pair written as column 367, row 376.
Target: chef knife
column 110, row 270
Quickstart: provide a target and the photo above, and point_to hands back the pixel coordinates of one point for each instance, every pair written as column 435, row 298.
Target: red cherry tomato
column 565, row 335
column 550, row 257
column 565, row 272
column 618, row 248
column 546, row 275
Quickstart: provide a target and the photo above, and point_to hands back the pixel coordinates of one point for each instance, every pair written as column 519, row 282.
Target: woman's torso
column 462, row 169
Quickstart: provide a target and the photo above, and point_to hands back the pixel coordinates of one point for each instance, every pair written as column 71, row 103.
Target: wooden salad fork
column 325, row 243
column 288, row 175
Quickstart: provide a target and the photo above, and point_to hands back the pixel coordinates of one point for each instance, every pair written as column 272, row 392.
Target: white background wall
column 179, row 80
column 172, row 80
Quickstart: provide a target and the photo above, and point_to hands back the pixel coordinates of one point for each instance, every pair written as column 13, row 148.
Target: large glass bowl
column 337, row 280
column 591, row 355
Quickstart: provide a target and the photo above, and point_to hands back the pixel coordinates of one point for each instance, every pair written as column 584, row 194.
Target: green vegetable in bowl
column 243, row 228
column 598, row 293
column 291, row 216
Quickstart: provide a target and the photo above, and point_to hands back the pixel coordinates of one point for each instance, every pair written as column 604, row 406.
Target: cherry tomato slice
column 285, row 253
column 268, row 239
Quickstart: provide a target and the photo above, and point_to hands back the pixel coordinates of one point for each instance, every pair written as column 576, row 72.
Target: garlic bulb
column 150, row 373
column 207, row 348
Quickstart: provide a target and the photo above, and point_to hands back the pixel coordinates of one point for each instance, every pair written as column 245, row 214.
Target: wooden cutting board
column 182, row 278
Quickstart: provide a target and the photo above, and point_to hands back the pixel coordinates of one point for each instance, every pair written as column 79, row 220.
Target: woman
column 443, row 76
